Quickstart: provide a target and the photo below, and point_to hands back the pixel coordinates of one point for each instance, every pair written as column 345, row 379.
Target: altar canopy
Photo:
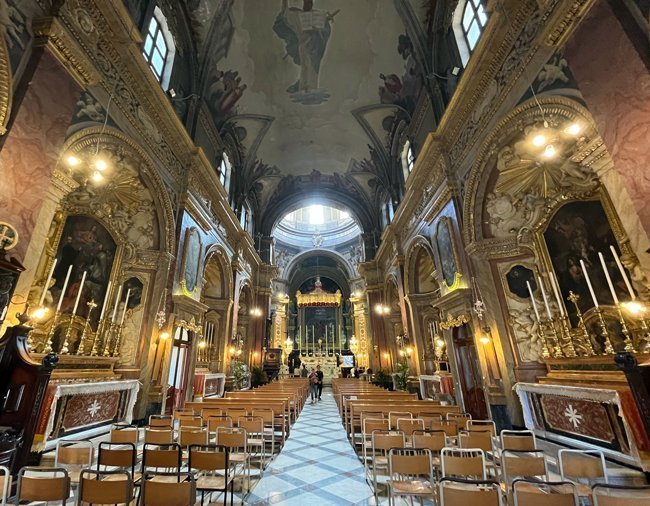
column 319, row 322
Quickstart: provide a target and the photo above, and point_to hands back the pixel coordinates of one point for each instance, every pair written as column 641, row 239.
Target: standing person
column 313, row 383
column 319, row 382
column 304, row 372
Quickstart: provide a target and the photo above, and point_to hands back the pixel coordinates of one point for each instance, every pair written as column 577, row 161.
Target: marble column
column 29, row 154
column 615, row 84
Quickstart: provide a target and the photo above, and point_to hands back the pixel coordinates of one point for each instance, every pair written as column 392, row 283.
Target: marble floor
column 317, row 465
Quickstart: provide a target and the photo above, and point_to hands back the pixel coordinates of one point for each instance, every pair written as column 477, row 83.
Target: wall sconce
column 202, row 345
column 164, row 336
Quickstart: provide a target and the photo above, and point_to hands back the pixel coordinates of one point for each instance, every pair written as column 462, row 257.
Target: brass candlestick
column 609, row 349
column 554, row 342
column 117, row 342
column 108, row 338
column 50, row 334
column 584, row 343
column 542, row 338
column 97, row 340
column 629, row 345
column 65, row 348
column 91, row 305
column 644, row 341
column 569, row 349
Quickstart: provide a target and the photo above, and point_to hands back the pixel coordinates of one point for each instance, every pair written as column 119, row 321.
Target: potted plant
column 240, row 374
column 258, row 376
column 401, row 377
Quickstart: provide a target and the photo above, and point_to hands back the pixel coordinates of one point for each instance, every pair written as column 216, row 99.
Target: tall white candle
column 81, row 287
column 65, row 287
column 106, row 295
column 117, row 303
column 47, row 283
column 4, row 312
column 126, row 305
column 532, row 298
column 556, row 291
column 609, row 280
column 591, row 289
column 623, row 273
column 546, row 306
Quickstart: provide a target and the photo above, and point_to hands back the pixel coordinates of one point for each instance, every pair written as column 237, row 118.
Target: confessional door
column 179, row 367
column 469, row 372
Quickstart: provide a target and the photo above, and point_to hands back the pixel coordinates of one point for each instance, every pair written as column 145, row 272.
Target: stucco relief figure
column 526, row 334
column 305, row 32
column 11, row 24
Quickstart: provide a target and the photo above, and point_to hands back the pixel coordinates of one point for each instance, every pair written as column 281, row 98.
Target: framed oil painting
column 579, row 231
column 191, row 261
column 88, row 247
column 446, row 251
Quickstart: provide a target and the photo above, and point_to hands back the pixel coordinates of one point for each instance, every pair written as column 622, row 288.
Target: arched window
column 470, row 19
column 408, row 159
column 159, row 49
column 224, row 172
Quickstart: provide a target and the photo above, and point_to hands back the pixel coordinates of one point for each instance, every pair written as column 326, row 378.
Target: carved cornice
column 50, row 33
column 5, row 86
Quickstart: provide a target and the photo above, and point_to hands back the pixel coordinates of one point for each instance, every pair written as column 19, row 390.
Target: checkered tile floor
column 317, row 465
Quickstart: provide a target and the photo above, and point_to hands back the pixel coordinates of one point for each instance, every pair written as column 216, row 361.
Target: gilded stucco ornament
column 5, row 86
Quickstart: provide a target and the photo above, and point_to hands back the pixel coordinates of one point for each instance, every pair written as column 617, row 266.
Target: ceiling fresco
column 308, row 86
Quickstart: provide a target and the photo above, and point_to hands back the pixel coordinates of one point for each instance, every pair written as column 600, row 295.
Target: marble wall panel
column 616, row 87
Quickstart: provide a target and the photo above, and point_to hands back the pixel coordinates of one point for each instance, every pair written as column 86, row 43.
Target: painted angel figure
column 305, row 33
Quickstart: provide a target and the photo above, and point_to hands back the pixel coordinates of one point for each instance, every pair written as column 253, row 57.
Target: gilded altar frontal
column 299, row 224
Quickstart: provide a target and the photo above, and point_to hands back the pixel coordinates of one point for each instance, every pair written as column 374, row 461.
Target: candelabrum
column 65, row 349
column 567, row 340
column 542, row 337
column 584, row 341
column 80, row 348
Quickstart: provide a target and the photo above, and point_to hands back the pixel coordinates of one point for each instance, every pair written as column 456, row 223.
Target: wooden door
column 469, row 373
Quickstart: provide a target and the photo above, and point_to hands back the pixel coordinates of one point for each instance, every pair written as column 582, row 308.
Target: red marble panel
column 33, row 146
column 575, row 416
column 84, row 410
column 616, row 87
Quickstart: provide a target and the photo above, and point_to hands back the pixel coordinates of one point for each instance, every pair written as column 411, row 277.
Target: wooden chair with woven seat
column 518, row 440
column 159, row 435
column 429, row 418
column 459, row 418
column 105, row 487
column 254, row 426
column 432, row 440
column 268, row 417
column 538, row 493
column 410, row 473
column 619, row 495
column 408, row 425
column 176, row 489
column 5, row 484
column 74, row 456
column 161, row 421
column 117, row 456
column 367, row 428
column 449, row 427
column 461, row 492
column 518, row 464
column 43, row 484
column 122, row 433
column 211, row 465
column 382, row 442
column 161, row 458
column 583, row 467
column 481, row 425
column 188, row 436
column 235, row 439
column 393, row 416
column 190, row 421
column 468, row 463
column 214, row 422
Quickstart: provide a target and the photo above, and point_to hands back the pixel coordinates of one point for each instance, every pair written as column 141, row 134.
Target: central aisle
column 317, row 465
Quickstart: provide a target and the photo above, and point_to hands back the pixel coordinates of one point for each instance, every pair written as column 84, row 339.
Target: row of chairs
column 162, row 482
